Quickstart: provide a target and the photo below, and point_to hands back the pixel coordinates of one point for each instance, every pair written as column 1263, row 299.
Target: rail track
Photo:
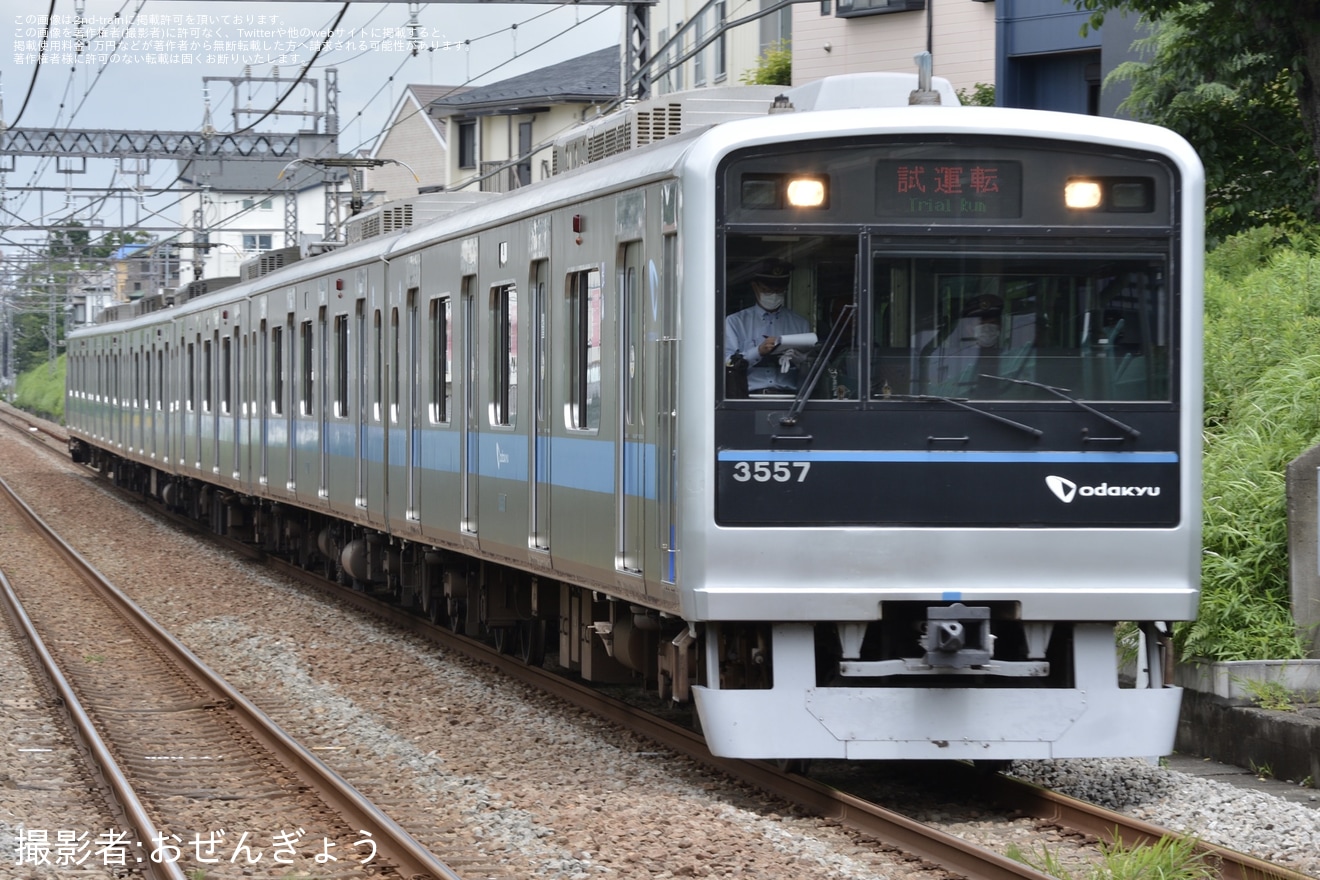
column 206, row 780
column 851, row 810
column 888, row 826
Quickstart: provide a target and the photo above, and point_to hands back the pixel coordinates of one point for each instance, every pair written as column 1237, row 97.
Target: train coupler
column 957, row 637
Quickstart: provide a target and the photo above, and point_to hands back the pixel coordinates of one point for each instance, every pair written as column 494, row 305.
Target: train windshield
column 1003, row 327
column 976, row 321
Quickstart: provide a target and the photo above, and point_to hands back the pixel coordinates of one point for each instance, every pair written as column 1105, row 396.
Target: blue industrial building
column 1042, row 60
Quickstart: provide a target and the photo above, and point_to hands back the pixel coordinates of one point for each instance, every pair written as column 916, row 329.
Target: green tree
column 1247, row 47
column 1246, row 124
column 70, row 254
column 774, row 67
column 981, row 95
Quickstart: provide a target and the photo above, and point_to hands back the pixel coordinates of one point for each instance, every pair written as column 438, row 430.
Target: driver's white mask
column 770, row 301
column 987, row 335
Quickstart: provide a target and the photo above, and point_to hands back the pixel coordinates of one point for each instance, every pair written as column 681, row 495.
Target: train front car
column 953, row 359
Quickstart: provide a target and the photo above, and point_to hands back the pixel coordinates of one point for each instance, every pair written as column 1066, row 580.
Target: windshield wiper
column 1062, row 392
column 818, row 366
column 1035, row 432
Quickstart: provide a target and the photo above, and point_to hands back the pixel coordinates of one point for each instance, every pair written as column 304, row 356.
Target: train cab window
column 789, row 320
column 1020, row 327
column 586, row 307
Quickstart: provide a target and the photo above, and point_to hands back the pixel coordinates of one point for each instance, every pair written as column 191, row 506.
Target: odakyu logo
column 1066, row 490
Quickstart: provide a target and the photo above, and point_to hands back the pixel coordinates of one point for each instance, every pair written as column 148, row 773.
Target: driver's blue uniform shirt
column 745, row 331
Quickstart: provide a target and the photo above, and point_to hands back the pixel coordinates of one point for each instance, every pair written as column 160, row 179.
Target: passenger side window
column 585, row 317
column 504, row 354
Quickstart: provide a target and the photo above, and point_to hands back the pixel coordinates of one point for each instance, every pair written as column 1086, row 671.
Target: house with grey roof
column 499, row 134
column 414, row 145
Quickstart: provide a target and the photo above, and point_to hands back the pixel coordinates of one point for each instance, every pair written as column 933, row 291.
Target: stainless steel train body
column 521, row 419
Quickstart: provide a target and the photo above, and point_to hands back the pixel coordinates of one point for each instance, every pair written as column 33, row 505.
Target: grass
column 1262, row 409
column 1166, row 859
column 41, row 392
column 1270, row 695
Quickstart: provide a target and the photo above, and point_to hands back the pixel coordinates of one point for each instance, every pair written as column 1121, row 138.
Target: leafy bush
column 773, row 68
column 981, row 95
column 41, row 392
column 1262, row 409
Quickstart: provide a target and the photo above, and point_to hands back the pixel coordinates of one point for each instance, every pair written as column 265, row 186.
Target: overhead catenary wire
column 32, row 83
column 157, row 210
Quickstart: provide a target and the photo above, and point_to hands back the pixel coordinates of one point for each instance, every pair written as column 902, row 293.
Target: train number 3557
column 765, row 471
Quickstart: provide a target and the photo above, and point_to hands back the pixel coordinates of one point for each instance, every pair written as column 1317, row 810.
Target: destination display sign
column 948, row 188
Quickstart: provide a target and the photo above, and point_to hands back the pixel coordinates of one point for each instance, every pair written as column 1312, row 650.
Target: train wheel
column 800, row 766
column 992, row 766
column 531, row 642
column 457, row 614
column 504, row 638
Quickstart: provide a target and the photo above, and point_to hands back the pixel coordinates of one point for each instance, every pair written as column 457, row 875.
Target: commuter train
column 957, row 521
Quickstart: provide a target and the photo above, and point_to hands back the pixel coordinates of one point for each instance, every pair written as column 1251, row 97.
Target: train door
column 208, row 425
column 160, row 434
column 341, row 481
column 539, row 375
column 377, row 430
column 401, row 391
column 396, row 446
column 288, row 400
column 172, row 360
column 239, row 391
column 320, row 393
column 666, row 456
column 630, row 463
column 307, row 423
column 116, row 400
column 135, row 443
column 411, row 419
column 360, row 419
column 252, row 438
column 471, row 425
column 230, row 395
column 267, row 377
column 197, row 398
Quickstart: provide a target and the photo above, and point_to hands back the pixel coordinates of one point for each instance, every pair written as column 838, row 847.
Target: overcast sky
column 143, row 66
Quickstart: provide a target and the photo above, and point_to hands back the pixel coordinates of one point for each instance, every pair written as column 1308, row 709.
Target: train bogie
column 901, row 523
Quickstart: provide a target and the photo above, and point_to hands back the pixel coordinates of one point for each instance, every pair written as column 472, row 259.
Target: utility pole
column 50, row 324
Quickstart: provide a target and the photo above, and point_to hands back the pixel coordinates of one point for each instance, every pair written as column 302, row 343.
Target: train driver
column 755, row 332
column 988, row 310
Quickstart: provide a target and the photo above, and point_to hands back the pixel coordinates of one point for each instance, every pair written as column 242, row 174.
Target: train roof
column 631, row 149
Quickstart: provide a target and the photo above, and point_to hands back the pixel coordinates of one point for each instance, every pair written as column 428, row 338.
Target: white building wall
column 963, row 42
column 228, row 222
column 497, row 142
column 742, row 43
